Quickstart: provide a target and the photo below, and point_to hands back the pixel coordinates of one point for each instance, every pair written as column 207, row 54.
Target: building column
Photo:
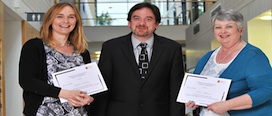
column 2, row 84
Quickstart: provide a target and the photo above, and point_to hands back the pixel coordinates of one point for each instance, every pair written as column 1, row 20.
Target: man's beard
column 140, row 34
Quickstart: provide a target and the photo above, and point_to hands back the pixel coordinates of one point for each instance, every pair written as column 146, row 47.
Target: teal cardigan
column 251, row 74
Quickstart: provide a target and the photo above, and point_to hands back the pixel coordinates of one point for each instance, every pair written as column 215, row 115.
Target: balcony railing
column 115, row 13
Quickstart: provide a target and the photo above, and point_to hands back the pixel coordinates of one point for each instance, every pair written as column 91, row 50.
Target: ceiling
column 10, row 15
column 267, row 13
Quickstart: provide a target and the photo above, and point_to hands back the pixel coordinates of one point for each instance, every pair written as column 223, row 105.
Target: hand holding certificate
column 203, row 90
column 86, row 78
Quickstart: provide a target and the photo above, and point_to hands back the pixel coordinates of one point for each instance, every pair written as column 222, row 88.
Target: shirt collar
column 136, row 42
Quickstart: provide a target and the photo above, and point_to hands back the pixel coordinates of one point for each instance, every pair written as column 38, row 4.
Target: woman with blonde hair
column 62, row 45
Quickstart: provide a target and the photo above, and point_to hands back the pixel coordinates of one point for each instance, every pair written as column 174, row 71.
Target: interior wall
column 104, row 33
column 215, row 44
column 17, row 29
column 30, row 31
column 12, row 47
column 261, row 39
column 22, row 7
column 13, row 43
column 2, row 83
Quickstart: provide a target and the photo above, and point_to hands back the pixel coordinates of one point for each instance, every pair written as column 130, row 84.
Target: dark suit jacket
column 128, row 95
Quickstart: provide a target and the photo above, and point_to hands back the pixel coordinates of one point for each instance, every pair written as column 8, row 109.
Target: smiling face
column 227, row 32
column 143, row 23
column 64, row 22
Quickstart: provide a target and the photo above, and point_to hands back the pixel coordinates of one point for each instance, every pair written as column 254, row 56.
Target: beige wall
column 260, row 35
column 14, row 30
column 28, row 31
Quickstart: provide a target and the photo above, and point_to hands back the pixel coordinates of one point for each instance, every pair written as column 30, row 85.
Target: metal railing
column 115, row 13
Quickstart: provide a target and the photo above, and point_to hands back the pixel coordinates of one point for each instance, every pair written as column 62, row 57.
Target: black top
column 33, row 75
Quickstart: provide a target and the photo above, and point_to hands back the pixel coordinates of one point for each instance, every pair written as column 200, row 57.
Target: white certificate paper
column 86, row 78
column 203, row 90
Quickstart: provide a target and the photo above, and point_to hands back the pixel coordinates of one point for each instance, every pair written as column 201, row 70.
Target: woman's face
column 227, row 32
column 64, row 22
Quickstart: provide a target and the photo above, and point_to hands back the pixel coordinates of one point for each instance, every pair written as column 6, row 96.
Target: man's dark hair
column 152, row 7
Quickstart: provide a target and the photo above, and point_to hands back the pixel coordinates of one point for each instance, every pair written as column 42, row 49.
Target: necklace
column 220, row 61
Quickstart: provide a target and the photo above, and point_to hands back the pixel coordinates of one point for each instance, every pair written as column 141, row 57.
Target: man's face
column 143, row 23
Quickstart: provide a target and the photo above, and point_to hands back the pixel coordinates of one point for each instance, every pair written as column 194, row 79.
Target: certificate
column 203, row 90
column 86, row 78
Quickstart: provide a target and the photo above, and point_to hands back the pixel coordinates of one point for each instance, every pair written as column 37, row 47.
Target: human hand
column 219, row 107
column 87, row 99
column 76, row 97
column 191, row 105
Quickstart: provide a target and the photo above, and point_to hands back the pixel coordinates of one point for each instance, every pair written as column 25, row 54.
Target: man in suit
column 133, row 94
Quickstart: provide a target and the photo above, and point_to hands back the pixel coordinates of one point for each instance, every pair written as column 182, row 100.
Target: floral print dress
column 57, row 61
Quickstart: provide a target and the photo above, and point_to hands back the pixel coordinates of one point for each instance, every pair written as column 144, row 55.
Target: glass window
column 114, row 12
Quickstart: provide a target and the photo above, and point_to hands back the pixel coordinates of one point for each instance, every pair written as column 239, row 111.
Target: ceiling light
column 266, row 17
column 97, row 52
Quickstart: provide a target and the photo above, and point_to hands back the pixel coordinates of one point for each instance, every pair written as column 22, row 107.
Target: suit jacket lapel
column 128, row 52
column 158, row 48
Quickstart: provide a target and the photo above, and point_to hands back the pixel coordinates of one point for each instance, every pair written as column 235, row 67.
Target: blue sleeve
column 259, row 79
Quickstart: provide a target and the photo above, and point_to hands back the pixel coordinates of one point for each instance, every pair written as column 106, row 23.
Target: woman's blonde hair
column 76, row 37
